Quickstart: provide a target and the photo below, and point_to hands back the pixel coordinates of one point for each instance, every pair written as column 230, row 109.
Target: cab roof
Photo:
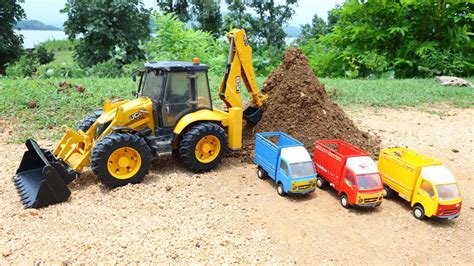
column 176, row 66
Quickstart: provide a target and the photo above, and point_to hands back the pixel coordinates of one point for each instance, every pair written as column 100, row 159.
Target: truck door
column 179, row 91
column 425, row 195
column 283, row 175
column 349, row 185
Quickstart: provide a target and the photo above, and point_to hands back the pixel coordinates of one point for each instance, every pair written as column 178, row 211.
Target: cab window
column 177, row 97
column 350, row 178
column 284, row 168
column 203, row 97
column 427, row 188
column 151, row 87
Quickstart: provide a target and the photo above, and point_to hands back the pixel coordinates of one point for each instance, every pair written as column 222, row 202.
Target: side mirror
column 134, row 93
column 134, row 76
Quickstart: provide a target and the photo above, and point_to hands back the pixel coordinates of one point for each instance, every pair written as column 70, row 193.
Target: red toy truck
column 350, row 171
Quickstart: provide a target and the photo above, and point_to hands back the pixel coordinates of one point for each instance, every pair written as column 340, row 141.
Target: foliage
column 29, row 62
column 208, row 15
column 177, row 7
column 10, row 43
column 44, row 56
column 316, row 29
column 105, row 26
column 237, row 16
column 408, row 38
column 174, row 42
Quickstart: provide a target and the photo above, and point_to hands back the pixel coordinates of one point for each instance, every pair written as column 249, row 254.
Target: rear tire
column 281, row 190
column 261, row 174
column 345, row 201
column 203, row 146
column 119, row 159
column 419, row 212
column 87, row 122
column 321, row 183
column 387, row 192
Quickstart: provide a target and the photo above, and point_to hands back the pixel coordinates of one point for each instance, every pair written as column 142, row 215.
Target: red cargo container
column 350, row 171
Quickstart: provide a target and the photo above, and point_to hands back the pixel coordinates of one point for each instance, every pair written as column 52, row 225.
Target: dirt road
column 228, row 215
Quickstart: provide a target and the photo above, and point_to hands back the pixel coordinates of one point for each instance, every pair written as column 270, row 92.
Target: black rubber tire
column 345, row 201
column 87, row 122
column 280, row 189
column 261, row 174
column 191, row 137
column 108, row 144
column 419, row 212
column 321, row 183
column 388, row 192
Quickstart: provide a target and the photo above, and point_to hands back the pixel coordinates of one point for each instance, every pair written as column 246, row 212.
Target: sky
column 47, row 11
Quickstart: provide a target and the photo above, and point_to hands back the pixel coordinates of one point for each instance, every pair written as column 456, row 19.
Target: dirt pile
column 298, row 105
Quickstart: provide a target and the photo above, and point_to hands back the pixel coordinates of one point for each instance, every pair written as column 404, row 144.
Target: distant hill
column 33, row 25
column 292, row 31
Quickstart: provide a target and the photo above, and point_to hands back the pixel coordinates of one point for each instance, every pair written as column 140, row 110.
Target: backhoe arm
column 239, row 69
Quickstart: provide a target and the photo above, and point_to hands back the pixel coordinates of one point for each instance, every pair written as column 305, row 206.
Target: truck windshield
column 303, row 169
column 369, row 181
column 447, row 192
column 152, row 85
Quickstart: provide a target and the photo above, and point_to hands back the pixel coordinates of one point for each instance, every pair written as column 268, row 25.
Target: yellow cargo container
column 423, row 181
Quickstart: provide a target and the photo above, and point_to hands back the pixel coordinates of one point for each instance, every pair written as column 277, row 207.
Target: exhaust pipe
column 42, row 179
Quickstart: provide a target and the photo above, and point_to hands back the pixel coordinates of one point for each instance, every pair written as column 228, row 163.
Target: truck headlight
column 360, row 200
column 294, row 188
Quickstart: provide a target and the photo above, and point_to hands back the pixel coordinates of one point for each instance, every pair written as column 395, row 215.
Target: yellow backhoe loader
column 173, row 113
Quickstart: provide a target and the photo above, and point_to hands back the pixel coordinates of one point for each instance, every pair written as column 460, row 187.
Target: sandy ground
column 229, row 215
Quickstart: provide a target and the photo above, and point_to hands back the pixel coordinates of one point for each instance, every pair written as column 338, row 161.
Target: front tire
column 203, row 146
column 387, row 192
column 119, row 159
column 87, row 122
column 281, row 190
column 419, row 212
column 345, row 201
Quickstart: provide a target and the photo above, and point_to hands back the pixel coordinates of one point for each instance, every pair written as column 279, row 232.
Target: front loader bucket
column 41, row 179
column 253, row 114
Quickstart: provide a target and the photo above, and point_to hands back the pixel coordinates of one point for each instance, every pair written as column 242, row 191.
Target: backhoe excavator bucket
column 42, row 179
column 253, row 114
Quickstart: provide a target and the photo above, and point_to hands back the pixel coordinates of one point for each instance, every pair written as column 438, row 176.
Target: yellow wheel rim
column 207, row 149
column 124, row 163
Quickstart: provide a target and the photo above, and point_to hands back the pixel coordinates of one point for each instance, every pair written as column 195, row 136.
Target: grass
column 38, row 107
column 397, row 93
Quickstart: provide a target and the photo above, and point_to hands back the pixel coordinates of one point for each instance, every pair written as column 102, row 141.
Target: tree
column 178, row 7
column 208, row 15
column 267, row 26
column 316, row 29
column 10, row 43
column 107, row 29
column 237, row 17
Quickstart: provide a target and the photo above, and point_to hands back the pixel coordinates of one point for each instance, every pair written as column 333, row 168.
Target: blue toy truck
column 286, row 161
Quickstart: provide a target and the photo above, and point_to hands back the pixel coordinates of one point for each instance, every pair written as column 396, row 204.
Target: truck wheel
column 203, row 146
column 321, row 183
column 419, row 212
column 120, row 158
column 281, row 190
column 261, row 173
column 87, row 122
column 387, row 192
column 345, row 201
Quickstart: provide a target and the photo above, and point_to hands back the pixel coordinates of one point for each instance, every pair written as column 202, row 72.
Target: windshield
column 152, row 85
column 369, row 181
column 447, row 192
column 303, row 169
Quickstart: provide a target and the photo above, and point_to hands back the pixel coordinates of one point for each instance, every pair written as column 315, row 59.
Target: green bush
column 44, row 56
column 173, row 41
column 408, row 38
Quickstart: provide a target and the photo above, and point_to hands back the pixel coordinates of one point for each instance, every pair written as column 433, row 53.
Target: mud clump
column 298, row 105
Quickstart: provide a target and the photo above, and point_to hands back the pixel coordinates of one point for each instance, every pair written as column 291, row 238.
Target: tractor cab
column 176, row 89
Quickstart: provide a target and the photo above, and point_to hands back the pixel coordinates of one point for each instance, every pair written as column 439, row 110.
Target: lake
column 33, row 37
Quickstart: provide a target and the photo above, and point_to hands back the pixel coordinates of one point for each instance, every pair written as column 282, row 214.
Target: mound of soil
column 298, row 105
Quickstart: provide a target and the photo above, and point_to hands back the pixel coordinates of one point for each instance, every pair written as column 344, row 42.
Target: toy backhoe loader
column 173, row 113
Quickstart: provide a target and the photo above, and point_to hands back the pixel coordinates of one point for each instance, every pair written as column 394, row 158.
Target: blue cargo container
column 286, row 161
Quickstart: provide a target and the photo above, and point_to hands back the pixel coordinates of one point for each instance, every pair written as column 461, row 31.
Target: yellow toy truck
column 421, row 180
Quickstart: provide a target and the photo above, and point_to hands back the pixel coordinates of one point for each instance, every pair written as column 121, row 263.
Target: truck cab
column 429, row 186
column 286, row 161
column 437, row 194
column 350, row 171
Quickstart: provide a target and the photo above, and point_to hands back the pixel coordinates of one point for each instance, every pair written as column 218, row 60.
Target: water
column 33, row 37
